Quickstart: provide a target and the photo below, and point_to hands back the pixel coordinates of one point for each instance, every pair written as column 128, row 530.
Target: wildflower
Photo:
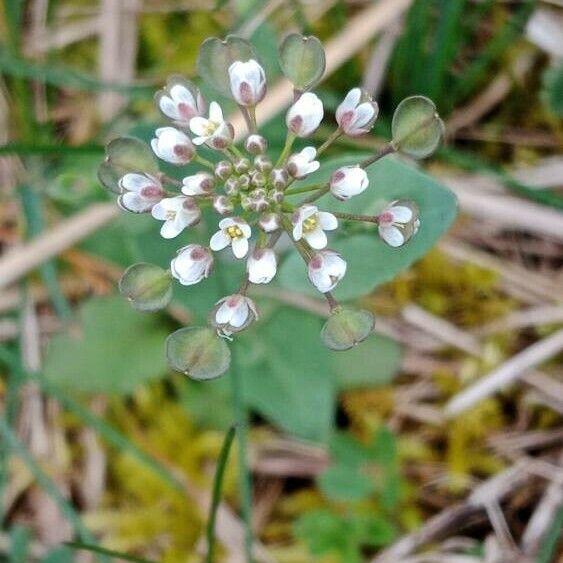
column 357, row 113
column 232, row 231
column 172, row 146
column 192, row 264
column 310, row 223
column 140, row 192
column 326, row 269
column 303, row 163
column 177, row 213
column 348, row 181
column 233, row 313
column 398, row 222
column 180, row 101
column 261, row 265
column 248, row 82
column 201, row 183
column 305, row 115
column 213, row 131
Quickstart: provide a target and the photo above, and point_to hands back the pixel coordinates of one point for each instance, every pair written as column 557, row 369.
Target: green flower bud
column 242, row 165
column 146, row 286
column 347, row 327
column 417, row 127
column 216, row 56
column 302, row 60
column 125, row 155
column 223, row 169
column 198, row 352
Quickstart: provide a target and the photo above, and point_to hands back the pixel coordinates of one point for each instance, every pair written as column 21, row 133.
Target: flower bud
column 232, row 186
column 302, row 60
column 233, row 314
column 198, row 352
column 140, row 192
column 398, row 222
column 192, row 264
column 269, row 222
column 223, row 169
column 223, row 205
column 347, row 327
column 258, row 179
column 417, row 128
column 244, row 182
column 172, row 146
column 303, row 163
column 255, row 201
column 242, row 165
column 348, row 181
column 326, row 269
column 180, row 101
column 276, row 196
column 261, row 265
column 305, row 115
column 256, row 144
column 357, row 113
column 263, row 163
column 248, row 82
column 279, row 178
column 146, row 286
column 201, row 183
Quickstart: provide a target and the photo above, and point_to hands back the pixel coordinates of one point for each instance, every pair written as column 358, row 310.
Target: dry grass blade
column 22, row 259
column 507, row 373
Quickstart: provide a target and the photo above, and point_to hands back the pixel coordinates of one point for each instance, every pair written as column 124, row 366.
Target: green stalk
column 245, row 482
column 289, row 140
column 217, row 487
column 303, row 190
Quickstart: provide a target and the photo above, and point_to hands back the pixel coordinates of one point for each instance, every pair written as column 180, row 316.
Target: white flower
column 232, row 231
column 326, row 269
column 261, row 265
column 180, row 101
column 223, row 205
column 201, row 183
column 172, row 146
column 398, row 222
column 348, row 181
column 192, row 264
column 177, row 213
column 310, row 223
column 305, row 115
column 269, row 222
column 303, row 163
column 140, row 192
column 233, row 313
column 215, row 131
column 357, row 113
column 248, row 82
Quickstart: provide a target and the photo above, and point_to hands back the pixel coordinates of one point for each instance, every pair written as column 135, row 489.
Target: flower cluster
column 253, row 194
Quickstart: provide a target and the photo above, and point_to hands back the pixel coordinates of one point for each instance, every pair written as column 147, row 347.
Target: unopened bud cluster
column 251, row 191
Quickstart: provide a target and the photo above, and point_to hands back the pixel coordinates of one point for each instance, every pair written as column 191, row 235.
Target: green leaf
column 284, row 380
column 109, row 552
column 348, row 450
column 115, row 350
column 370, row 261
column 345, row 483
column 552, row 93
column 372, row 363
column 375, row 531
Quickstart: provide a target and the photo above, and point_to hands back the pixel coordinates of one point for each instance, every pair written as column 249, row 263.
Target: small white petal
column 392, row 236
column 327, row 221
column 317, row 239
column 219, row 241
column 240, row 247
column 401, row 214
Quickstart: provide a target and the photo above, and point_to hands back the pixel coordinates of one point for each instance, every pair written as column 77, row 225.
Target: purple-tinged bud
column 192, row 264
column 223, row 169
column 223, row 205
column 348, row 181
column 244, row 182
column 140, row 192
column 242, row 165
column 357, row 113
column 305, row 115
column 326, row 269
column 261, row 265
column 269, row 222
column 263, row 163
column 279, row 178
column 256, row 144
column 276, row 196
column 398, row 222
column 258, row 179
column 233, row 314
column 248, row 82
column 303, row 163
column 172, row 146
column 201, row 183
column 180, row 101
column 232, row 186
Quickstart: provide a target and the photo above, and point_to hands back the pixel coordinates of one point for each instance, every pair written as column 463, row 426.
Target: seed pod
column 347, row 327
column 417, row 128
column 302, row 60
column 146, row 286
column 198, row 352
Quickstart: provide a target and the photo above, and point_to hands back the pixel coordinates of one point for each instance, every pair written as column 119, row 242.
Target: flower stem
column 204, row 162
column 303, row 189
column 245, row 483
column 217, row 487
column 356, row 217
column 289, row 140
column 331, row 138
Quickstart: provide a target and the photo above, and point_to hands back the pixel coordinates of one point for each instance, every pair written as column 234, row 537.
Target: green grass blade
column 45, row 482
column 217, row 487
column 552, row 539
column 108, row 552
column 67, row 78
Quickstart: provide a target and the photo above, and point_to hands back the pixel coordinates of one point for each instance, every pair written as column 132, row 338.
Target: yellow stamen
column 234, row 232
column 310, row 224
